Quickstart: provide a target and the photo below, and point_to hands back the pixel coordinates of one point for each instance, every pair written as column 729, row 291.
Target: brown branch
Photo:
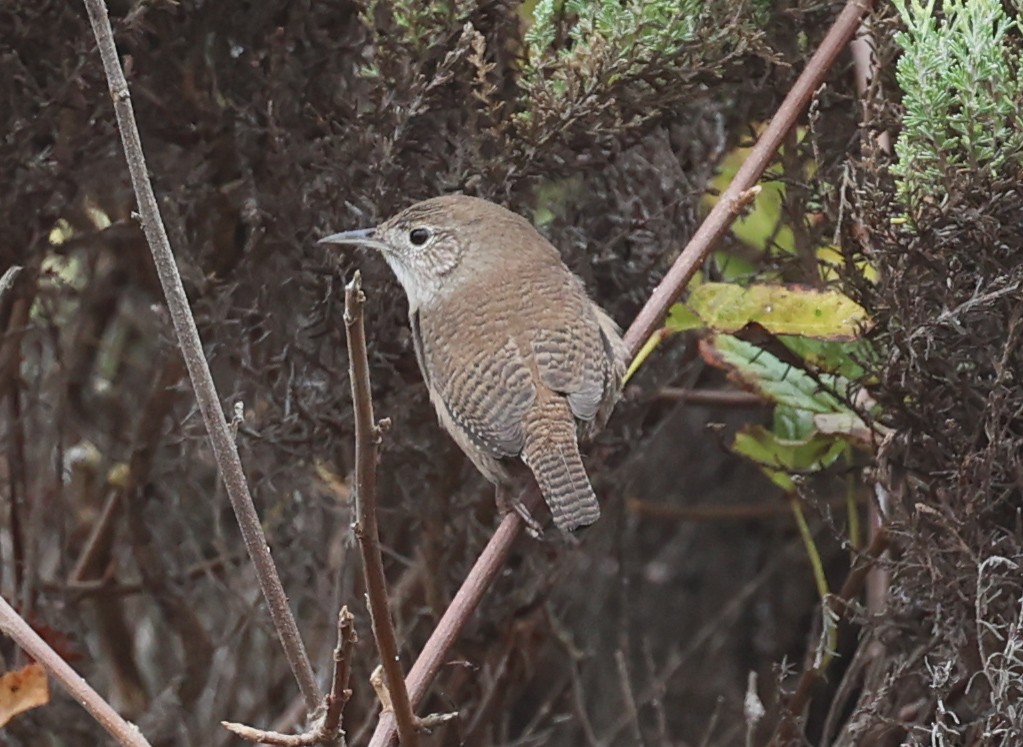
column 14, row 626
column 329, row 729
column 224, row 449
column 466, row 599
column 734, row 512
column 649, row 319
column 712, row 397
column 339, row 692
column 367, row 439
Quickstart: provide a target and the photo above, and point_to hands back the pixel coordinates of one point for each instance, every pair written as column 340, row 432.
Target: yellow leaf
column 781, row 309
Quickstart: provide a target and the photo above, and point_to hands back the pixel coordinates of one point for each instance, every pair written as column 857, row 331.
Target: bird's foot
column 532, row 525
column 506, row 504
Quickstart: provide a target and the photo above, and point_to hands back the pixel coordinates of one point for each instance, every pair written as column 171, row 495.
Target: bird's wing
column 486, row 396
column 576, row 357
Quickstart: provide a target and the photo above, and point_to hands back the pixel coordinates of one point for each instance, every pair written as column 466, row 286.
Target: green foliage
column 774, row 379
column 595, row 60
column 639, row 26
column 812, row 424
column 962, row 93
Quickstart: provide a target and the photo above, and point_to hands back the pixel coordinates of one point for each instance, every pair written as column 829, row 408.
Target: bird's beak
column 358, row 237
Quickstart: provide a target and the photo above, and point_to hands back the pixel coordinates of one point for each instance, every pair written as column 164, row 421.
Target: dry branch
column 650, row 317
column 224, row 448
column 14, row 626
column 329, row 729
column 367, row 438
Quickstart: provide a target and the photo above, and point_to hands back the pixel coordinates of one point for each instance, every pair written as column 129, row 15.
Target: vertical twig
column 224, row 449
column 328, row 731
column 339, row 692
column 14, row 626
column 367, row 438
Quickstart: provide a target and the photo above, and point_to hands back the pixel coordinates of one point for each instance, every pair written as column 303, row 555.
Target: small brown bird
column 516, row 356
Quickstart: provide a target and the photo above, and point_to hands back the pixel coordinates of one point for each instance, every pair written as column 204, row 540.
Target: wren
column 519, row 362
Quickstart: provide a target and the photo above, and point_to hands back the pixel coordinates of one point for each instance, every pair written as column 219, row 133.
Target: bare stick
column 224, row 448
column 8, row 279
column 466, row 599
column 14, row 626
column 339, row 692
column 649, row 319
column 367, row 439
column 736, row 512
column 712, row 397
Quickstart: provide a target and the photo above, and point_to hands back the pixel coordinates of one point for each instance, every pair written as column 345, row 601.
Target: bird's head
column 436, row 244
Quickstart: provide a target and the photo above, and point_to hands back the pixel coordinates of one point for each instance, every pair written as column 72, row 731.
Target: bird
column 518, row 360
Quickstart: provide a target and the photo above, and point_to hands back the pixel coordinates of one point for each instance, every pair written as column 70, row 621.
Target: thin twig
column 7, row 281
column 224, row 449
column 625, row 682
column 328, row 731
column 838, row 607
column 14, row 626
column 712, row 397
column 367, row 439
column 736, row 512
column 465, row 601
column 261, row 736
column 339, row 692
column 646, row 323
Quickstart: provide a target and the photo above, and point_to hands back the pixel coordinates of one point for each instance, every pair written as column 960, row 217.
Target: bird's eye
column 419, row 236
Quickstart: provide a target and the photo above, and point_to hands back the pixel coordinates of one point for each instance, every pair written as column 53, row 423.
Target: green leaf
column 775, row 380
column 734, row 269
column 812, row 454
column 843, row 357
column 781, row 309
column 792, row 423
column 682, row 319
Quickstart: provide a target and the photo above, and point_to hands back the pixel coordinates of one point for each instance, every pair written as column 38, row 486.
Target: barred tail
column 553, row 457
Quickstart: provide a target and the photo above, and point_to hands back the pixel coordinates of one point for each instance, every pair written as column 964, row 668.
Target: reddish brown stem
column 224, row 449
column 13, row 625
column 713, row 397
column 367, row 439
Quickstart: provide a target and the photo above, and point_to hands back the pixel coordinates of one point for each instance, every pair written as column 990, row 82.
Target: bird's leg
column 506, row 503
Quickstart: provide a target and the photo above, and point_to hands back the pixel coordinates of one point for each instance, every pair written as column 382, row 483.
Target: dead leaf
column 22, row 690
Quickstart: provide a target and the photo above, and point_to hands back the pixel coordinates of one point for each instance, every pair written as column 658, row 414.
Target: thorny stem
column 646, row 323
column 367, row 439
column 14, row 626
column 224, row 449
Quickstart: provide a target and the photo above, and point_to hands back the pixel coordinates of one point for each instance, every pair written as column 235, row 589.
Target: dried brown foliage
column 269, row 124
column 949, row 309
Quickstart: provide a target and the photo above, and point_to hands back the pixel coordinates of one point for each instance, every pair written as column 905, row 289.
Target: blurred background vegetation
column 611, row 125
